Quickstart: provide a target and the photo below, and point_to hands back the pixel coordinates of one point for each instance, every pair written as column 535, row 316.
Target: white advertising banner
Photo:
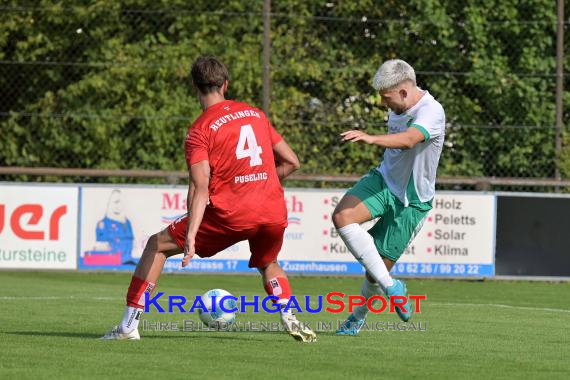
column 116, row 222
column 457, row 238
column 38, row 227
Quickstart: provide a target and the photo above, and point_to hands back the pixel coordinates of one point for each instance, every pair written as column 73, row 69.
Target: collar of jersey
column 219, row 105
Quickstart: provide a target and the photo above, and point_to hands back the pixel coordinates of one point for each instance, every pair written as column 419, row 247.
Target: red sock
column 278, row 287
column 137, row 289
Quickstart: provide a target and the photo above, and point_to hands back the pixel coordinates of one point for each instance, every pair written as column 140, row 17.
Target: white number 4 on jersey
column 253, row 151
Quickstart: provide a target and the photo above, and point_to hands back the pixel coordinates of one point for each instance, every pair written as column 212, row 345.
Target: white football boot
column 116, row 334
column 298, row 330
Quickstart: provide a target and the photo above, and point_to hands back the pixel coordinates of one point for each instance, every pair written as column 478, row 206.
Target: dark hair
column 208, row 74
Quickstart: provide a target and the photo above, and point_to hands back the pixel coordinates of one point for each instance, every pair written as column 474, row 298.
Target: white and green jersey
column 410, row 173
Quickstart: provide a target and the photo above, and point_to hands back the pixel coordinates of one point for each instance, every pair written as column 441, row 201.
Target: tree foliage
column 105, row 84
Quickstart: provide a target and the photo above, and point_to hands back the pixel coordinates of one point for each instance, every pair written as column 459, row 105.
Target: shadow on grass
column 219, row 335
column 327, row 333
column 60, row 334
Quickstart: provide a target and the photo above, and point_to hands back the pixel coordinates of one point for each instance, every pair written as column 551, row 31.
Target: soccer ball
column 218, row 317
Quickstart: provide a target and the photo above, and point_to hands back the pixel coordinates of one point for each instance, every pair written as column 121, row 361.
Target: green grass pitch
column 50, row 322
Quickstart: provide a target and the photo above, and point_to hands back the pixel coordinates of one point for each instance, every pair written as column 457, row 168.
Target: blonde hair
column 391, row 73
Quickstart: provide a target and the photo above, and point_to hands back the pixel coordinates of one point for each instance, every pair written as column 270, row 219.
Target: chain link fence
column 106, row 85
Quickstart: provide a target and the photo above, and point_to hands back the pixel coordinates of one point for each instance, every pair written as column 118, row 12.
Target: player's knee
column 341, row 217
column 262, row 267
column 160, row 244
column 151, row 244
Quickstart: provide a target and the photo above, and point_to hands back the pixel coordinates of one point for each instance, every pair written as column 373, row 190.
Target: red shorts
column 264, row 241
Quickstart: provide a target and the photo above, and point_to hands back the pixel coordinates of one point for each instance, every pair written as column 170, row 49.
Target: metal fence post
column 266, row 55
column 559, row 86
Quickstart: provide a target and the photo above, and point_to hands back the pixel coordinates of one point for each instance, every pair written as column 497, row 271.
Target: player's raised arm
column 286, row 160
column 402, row 140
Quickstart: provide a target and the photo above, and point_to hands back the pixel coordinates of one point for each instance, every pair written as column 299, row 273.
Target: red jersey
column 237, row 140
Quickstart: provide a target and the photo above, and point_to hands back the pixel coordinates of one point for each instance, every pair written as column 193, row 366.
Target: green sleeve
column 422, row 130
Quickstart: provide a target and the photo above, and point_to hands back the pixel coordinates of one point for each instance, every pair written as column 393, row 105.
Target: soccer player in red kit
column 236, row 161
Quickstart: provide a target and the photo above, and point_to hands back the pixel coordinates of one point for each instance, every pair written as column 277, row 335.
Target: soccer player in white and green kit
column 399, row 191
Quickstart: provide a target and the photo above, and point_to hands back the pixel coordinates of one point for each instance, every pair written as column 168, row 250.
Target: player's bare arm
column 286, row 161
column 191, row 189
column 403, row 140
column 200, row 179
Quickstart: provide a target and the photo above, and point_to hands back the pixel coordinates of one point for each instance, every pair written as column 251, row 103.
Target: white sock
column 362, row 247
column 131, row 319
column 367, row 290
column 282, row 302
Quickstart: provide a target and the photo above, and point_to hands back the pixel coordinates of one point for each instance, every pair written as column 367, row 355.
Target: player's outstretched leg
column 158, row 248
column 276, row 284
column 353, row 324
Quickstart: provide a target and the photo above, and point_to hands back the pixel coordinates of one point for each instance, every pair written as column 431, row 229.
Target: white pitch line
column 51, row 298
column 499, row 306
